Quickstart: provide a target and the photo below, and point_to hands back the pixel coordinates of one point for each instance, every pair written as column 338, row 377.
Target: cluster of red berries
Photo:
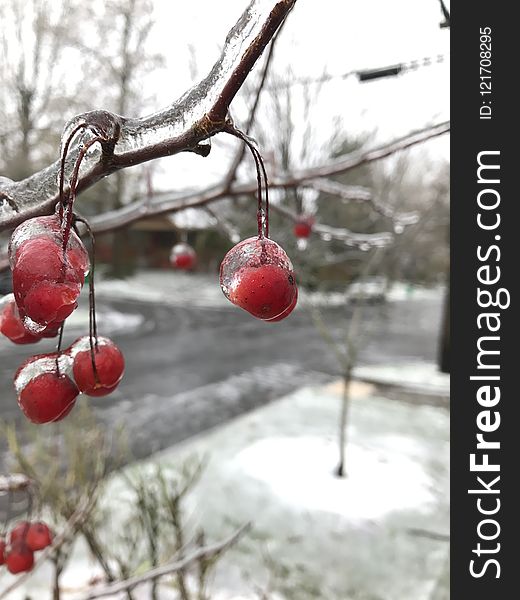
column 24, row 539
column 47, row 385
column 49, row 267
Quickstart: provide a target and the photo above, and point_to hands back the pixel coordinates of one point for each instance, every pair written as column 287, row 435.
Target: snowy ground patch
column 311, row 486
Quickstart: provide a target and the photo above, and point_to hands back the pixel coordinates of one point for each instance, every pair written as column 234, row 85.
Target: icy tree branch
column 14, row 482
column 355, row 194
column 342, row 234
column 183, row 126
column 204, row 553
column 171, row 202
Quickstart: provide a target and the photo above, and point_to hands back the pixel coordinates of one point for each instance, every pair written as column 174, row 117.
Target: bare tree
column 37, row 40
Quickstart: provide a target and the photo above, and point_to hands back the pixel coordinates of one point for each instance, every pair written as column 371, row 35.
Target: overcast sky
column 336, row 35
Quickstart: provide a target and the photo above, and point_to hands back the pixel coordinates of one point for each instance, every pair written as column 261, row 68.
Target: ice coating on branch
column 182, row 126
column 40, row 364
column 200, row 99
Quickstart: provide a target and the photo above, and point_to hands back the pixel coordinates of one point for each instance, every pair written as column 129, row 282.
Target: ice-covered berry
column 257, row 275
column 2, row 551
column 47, row 279
column 39, row 536
column 183, row 257
column 109, row 363
column 287, row 311
column 20, row 558
column 45, row 391
column 11, row 324
column 303, row 227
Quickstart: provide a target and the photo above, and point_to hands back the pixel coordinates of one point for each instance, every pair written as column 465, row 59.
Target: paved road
column 190, row 368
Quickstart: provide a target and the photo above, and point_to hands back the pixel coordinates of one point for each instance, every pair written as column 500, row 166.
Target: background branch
column 205, row 552
column 171, row 202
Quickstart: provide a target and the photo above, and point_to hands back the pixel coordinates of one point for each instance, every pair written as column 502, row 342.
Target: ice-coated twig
column 239, row 156
column 14, row 482
column 205, row 552
column 229, row 229
column 354, row 194
column 170, row 202
column 181, row 127
column 342, row 234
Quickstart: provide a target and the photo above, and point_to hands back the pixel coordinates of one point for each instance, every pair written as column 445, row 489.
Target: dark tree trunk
column 444, row 341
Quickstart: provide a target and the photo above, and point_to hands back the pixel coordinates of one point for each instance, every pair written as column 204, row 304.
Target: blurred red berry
column 39, row 536
column 20, row 558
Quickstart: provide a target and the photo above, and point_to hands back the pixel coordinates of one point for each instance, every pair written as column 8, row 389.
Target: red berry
column 39, row 536
column 46, row 280
column 11, row 324
column 19, row 558
column 303, row 227
column 286, row 312
column 19, row 531
column 45, row 394
column 2, row 552
column 50, row 302
column 257, row 275
column 183, row 256
column 110, row 366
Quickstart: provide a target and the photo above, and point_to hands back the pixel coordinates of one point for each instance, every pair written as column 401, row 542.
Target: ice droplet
column 302, row 244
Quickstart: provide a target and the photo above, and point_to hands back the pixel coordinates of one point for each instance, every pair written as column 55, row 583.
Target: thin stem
column 60, row 338
column 74, row 184
column 263, row 217
column 266, row 184
column 58, row 348
column 64, row 152
column 92, row 332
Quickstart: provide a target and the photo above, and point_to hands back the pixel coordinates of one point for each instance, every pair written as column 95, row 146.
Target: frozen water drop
column 302, row 244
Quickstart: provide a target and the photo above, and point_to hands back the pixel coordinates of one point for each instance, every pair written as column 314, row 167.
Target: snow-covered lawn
column 376, row 535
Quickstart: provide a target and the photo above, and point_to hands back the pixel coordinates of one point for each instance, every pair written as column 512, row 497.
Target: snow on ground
column 376, row 535
column 109, row 321
column 311, row 459
column 178, row 288
column 418, row 375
